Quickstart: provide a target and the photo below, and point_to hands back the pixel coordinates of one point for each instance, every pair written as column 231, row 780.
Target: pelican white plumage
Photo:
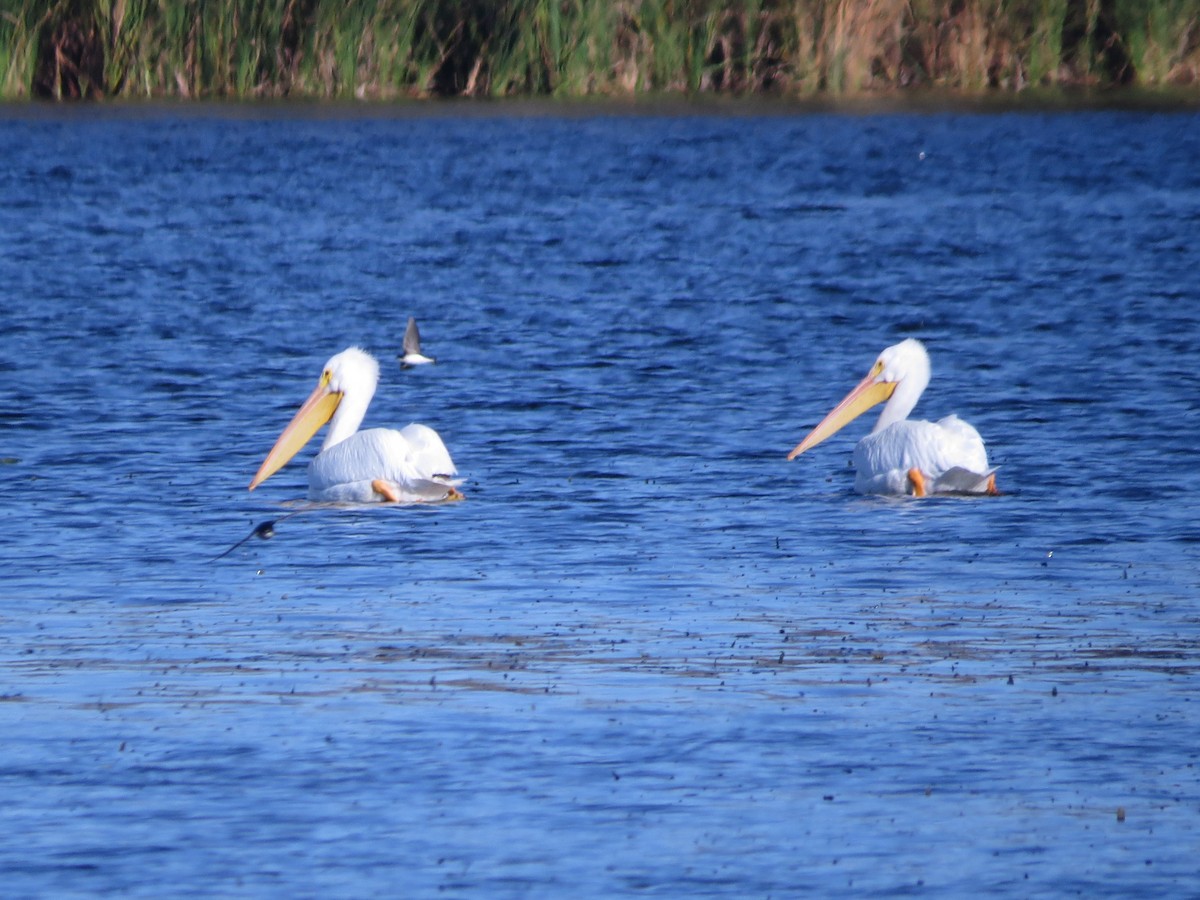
column 412, row 355
column 411, row 465
column 900, row 455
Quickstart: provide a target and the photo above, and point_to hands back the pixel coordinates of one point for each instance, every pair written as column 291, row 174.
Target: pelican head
column 342, row 394
column 899, row 376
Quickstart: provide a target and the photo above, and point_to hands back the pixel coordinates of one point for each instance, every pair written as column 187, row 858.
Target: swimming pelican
column 410, row 465
column 900, row 455
column 412, row 347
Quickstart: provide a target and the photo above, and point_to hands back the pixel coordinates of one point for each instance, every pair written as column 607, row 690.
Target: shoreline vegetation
column 401, row 49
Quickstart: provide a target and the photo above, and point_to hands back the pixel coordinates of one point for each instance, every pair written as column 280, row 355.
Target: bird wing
column 427, row 454
column 882, row 460
column 412, row 338
column 962, row 481
column 413, row 459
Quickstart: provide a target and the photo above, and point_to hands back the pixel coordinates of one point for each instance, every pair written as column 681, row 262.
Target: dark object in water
column 262, row 530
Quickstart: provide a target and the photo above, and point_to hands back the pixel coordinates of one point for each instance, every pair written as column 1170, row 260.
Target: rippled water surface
column 647, row 655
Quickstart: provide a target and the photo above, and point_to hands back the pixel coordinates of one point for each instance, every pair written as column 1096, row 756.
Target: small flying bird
column 264, row 530
column 412, row 355
column 902, row 455
column 410, row 465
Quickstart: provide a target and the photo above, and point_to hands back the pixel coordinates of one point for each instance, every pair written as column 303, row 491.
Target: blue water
column 647, row 656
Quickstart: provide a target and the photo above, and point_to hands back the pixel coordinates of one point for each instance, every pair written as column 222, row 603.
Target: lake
column 647, row 655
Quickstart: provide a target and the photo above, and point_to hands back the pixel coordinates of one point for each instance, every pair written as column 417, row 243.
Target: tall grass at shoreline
column 419, row 48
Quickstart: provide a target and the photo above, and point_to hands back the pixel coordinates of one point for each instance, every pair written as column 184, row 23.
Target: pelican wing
column 962, row 481
column 938, row 448
column 426, row 451
column 959, row 445
column 413, row 460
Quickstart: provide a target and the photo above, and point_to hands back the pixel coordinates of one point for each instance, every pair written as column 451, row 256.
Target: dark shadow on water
column 914, row 101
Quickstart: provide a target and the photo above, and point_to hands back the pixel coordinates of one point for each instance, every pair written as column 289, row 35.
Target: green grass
column 382, row 49
column 18, row 51
column 1162, row 39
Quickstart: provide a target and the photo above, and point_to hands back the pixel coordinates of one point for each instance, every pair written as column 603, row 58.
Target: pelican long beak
column 868, row 393
column 316, row 411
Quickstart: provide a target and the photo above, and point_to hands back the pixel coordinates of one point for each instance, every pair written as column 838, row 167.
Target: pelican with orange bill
column 409, row 465
column 902, row 455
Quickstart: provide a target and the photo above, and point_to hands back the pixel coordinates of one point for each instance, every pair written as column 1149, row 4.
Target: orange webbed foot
column 917, row 480
column 386, row 490
column 991, row 486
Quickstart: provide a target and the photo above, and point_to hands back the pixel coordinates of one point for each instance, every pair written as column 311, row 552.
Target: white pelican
column 900, row 455
column 410, row 465
column 412, row 347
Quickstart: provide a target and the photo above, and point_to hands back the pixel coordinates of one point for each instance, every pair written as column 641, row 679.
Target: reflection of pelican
column 412, row 347
column 900, row 455
column 409, row 465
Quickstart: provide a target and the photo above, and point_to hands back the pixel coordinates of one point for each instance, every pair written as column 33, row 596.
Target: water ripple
column 647, row 654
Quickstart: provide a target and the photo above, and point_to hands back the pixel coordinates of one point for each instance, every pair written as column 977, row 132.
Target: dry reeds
column 417, row 48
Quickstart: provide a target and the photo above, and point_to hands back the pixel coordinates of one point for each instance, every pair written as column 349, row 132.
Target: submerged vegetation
column 418, row 48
